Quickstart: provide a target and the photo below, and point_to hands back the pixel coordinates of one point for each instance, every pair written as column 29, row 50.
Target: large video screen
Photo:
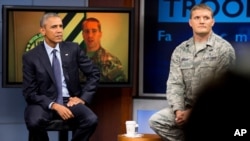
column 21, row 34
column 164, row 25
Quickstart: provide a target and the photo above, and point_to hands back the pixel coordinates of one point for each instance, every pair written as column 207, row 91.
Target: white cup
column 131, row 128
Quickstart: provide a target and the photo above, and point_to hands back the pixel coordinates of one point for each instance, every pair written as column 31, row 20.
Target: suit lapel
column 64, row 57
column 44, row 59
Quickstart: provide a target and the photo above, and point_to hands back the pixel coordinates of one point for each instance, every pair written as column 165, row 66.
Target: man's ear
column 213, row 22
column 189, row 22
column 42, row 31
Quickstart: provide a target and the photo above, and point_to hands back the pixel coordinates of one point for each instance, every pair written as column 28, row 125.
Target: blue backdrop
column 166, row 26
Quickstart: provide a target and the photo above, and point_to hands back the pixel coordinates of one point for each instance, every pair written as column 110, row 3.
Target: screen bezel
column 6, row 9
column 235, row 29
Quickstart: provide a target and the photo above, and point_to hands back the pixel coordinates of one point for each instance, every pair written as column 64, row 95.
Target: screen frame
column 6, row 83
column 235, row 29
column 141, row 55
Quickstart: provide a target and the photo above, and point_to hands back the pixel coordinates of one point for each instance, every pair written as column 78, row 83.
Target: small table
column 144, row 137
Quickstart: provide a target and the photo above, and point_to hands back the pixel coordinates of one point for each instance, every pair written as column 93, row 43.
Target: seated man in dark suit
column 53, row 91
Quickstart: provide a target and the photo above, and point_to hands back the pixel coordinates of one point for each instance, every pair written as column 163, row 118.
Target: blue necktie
column 57, row 74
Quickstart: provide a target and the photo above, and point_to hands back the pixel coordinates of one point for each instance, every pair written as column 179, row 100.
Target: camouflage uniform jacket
column 189, row 68
column 110, row 66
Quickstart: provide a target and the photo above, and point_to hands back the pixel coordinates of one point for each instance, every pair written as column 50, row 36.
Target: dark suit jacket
column 39, row 85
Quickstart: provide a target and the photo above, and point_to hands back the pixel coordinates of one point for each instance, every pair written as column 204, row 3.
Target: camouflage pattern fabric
column 110, row 66
column 189, row 69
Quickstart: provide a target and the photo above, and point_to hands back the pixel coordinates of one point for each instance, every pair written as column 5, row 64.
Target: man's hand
column 74, row 100
column 181, row 116
column 63, row 111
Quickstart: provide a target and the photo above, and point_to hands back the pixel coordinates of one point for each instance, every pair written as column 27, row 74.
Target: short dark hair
column 92, row 19
column 201, row 6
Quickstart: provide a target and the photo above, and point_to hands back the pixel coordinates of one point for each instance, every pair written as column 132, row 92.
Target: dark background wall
column 113, row 105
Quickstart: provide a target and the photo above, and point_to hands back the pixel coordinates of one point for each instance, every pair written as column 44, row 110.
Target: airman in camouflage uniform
column 110, row 66
column 201, row 58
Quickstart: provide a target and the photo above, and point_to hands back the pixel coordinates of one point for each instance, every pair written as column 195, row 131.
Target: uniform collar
column 190, row 41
